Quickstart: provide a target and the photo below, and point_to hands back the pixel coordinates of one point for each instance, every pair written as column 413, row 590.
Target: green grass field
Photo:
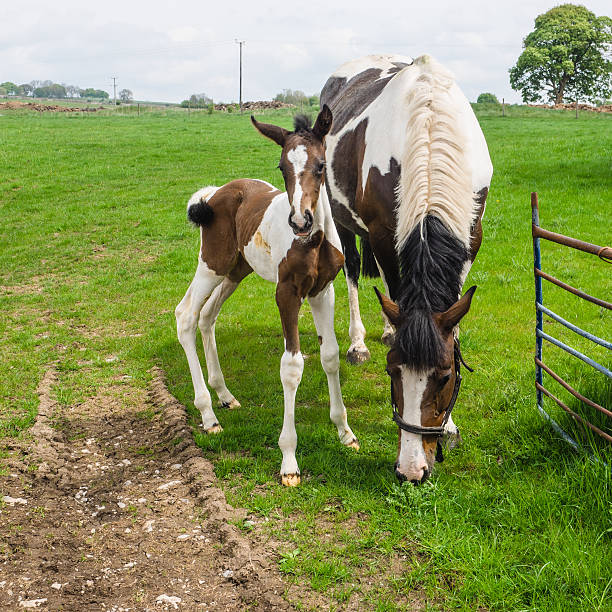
column 95, row 252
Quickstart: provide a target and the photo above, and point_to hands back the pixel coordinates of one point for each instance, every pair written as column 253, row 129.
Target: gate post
column 537, row 265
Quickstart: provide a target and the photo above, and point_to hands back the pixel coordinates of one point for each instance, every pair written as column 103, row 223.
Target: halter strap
column 434, row 431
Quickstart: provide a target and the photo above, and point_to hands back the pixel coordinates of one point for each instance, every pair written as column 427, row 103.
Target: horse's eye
column 444, row 380
column 320, row 167
column 388, row 371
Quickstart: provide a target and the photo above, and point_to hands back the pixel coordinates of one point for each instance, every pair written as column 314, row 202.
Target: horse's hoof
column 356, row 356
column 388, row 338
column 216, row 428
column 354, row 443
column 290, row 480
column 233, row 403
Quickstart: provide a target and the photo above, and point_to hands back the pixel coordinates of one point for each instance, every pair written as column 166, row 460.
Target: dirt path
column 123, row 513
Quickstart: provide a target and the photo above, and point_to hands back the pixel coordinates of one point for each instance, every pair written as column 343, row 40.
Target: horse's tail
column 199, row 211
column 435, row 178
column 368, row 261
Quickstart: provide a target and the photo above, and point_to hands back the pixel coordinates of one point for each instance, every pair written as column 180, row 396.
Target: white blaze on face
column 298, row 158
column 412, row 462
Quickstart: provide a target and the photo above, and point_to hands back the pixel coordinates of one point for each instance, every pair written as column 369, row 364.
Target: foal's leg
column 291, row 368
column 323, row 314
column 208, row 317
column 358, row 352
column 187, row 314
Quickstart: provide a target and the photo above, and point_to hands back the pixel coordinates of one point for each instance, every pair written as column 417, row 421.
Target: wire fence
column 604, row 254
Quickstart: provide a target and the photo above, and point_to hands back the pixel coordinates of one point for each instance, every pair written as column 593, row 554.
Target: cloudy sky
column 165, row 51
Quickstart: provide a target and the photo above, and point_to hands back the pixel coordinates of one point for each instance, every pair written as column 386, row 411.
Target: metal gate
column 605, row 254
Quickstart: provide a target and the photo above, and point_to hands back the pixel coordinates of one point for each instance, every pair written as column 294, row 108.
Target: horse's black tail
column 369, row 268
column 199, row 211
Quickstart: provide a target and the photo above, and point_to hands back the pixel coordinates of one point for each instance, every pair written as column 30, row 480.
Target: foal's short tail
column 199, row 211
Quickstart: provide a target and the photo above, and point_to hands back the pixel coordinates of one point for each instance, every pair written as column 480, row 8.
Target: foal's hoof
column 216, row 428
column 388, row 338
column 233, row 403
column 354, row 443
column 290, row 480
column 356, row 356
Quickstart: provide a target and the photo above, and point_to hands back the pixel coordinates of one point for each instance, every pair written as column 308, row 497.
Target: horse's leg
column 323, row 314
column 291, row 368
column 388, row 336
column 208, row 318
column 358, row 352
column 187, row 314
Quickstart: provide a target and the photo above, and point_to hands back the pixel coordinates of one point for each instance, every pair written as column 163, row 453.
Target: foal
column 287, row 238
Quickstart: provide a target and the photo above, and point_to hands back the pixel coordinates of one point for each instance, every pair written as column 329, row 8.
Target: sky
column 166, row 51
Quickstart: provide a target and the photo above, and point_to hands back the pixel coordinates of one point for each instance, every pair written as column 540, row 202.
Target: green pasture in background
column 95, row 253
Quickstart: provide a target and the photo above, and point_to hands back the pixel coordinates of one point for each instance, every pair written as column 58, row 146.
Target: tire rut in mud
column 112, row 507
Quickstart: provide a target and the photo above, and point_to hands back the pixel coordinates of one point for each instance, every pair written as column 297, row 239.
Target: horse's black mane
column 430, row 268
column 302, row 123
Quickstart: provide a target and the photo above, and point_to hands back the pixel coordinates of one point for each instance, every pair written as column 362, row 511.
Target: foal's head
column 302, row 163
column 422, row 395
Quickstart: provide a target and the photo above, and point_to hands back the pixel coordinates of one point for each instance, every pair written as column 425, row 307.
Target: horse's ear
column 273, row 132
column 390, row 308
column 323, row 123
column 447, row 320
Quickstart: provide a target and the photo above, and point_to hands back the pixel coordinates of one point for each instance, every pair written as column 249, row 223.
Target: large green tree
column 567, row 55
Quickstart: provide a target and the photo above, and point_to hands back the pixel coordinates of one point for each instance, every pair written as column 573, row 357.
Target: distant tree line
column 288, row 96
column 296, row 97
column 200, row 100
column 49, row 89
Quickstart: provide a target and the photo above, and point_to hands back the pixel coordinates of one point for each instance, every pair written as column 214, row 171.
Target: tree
column 126, row 95
column 92, row 93
column 11, row 88
column 25, row 89
column 567, row 54
column 197, row 101
column 487, row 98
column 50, row 91
column 73, row 91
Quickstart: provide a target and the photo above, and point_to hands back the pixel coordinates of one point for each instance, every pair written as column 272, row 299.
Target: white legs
column 358, row 351
column 187, row 313
column 202, row 304
column 323, row 314
column 208, row 317
column 292, row 366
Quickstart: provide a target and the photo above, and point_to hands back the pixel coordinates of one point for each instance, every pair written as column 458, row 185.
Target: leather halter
column 435, row 431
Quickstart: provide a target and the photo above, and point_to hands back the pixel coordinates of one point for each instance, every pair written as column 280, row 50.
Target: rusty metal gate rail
column 605, row 254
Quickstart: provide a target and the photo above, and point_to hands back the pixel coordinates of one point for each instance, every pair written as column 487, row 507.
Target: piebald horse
column 288, row 238
column 408, row 171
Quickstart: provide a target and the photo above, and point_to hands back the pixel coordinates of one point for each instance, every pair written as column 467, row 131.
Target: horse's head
column 302, row 163
column 423, row 395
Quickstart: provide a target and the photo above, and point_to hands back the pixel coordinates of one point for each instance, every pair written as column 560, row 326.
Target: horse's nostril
column 400, row 476
column 426, row 474
column 416, row 482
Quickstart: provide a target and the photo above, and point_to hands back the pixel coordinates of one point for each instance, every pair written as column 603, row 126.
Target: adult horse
column 408, row 171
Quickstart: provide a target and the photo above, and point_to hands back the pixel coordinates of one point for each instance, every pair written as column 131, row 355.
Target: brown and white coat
column 288, row 238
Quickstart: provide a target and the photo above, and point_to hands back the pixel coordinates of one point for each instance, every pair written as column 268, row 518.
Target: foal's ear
column 390, row 308
column 448, row 319
column 273, row 132
column 323, row 123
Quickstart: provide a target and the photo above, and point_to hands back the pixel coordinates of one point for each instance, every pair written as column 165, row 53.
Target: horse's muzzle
column 305, row 228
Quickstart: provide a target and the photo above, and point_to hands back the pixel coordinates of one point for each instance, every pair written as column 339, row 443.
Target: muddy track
column 114, row 508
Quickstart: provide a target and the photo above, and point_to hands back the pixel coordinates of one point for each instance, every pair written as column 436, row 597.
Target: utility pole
column 240, row 42
column 114, row 90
